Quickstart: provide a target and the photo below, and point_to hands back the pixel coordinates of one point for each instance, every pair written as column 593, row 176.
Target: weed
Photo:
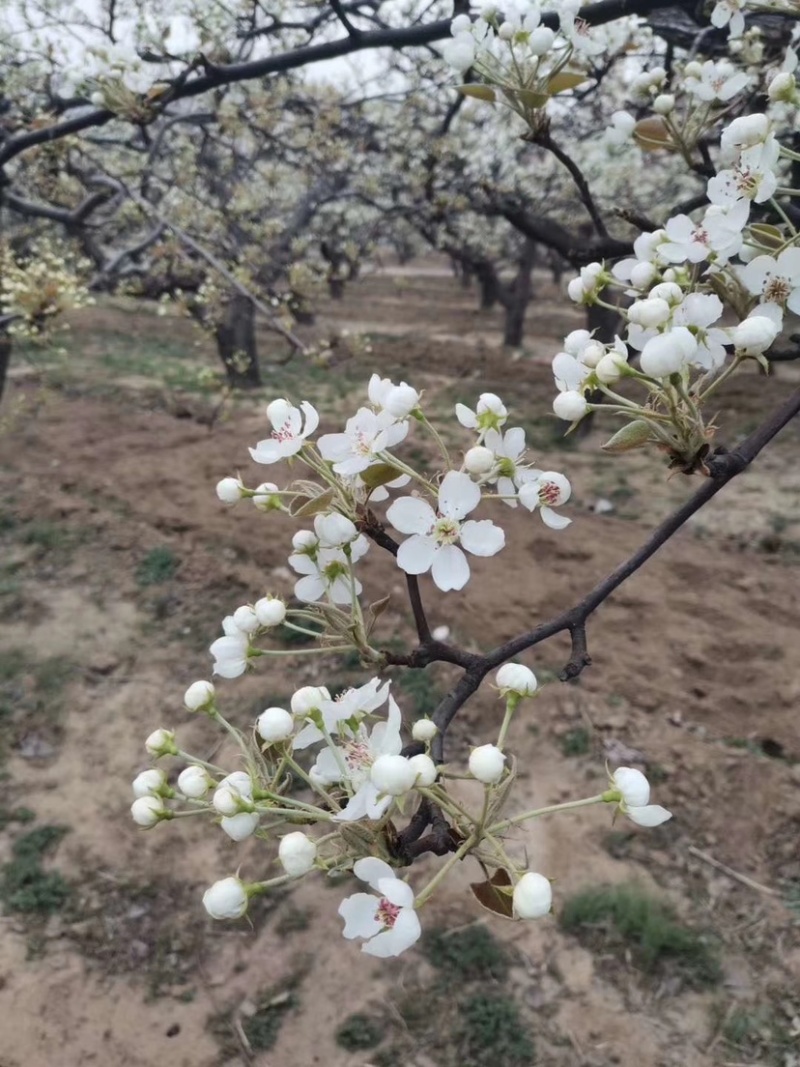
column 360, row 1031
column 492, row 1032
column 25, row 885
column 469, row 954
column 759, row 1033
column 262, row 1028
column 159, row 565
column 576, row 742
column 629, row 918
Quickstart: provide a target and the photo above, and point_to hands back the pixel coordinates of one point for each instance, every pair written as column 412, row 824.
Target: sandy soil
column 696, row 677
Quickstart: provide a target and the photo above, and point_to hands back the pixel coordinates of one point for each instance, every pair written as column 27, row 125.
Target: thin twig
column 731, row 873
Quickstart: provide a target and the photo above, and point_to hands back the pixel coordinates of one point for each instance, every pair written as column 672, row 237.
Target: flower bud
column 754, row 335
column 506, row 32
column 425, row 770
column 611, row 367
column 297, row 853
column 424, row 730
column 334, row 530
column 265, row 497
column 233, row 793
column 392, row 775
column 229, row 490
column 593, row 353
column 270, row 611
column 147, row 811
column 668, row 291
column 632, row 785
column 667, row 353
column 642, row 275
column 244, row 619
column 440, row 633
column 149, row 783
column 240, row 826
column 226, row 899
column 570, row 405
column 275, row 724
column 541, row 40
column 533, row 896
column 575, row 290
column 487, row 763
column 194, row 782
column 783, row 87
column 664, row 104
column 516, row 678
column 401, row 400
column 308, row 699
column 649, row 313
column 198, row 696
column 576, row 341
column 693, row 69
column 479, row 460
column 161, row 743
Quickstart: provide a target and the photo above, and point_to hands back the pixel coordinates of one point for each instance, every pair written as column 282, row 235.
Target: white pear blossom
column 487, row 764
column 718, row 233
column 533, row 896
column 729, row 13
column 270, row 611
column 297, row 853
column 275, row 724
column 229, row 490
column 435, row 537
column 266, row 497
column 776, row 281
column 149, row 783
column 516, row 678
column 350, row 706
column 230, row 652
column 508, row 449
column 161, row 743
column 226, row 899
column 424, row 770
column 634, row 790
column 351, row 761
column 392, row 775
column 397, row 400
column 752, row 178
column 240, row 826
column 146, row 811
column 754, row 335
column 479, row 460
column 198, row 696
column 290, row 428
column 307, row 699
column 621, row 129
column 388, row 922
column 194, row 782
column 668, row 353
column 366, row 436
column 326, row 571
column 570, row 405
column 245, row 619
column 424, row 730
column 717, row 81
column 233, row 794
column 490, row 413
column 547, row 490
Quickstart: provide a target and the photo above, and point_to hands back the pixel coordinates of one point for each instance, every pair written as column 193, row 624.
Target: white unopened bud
column 229, row 490
column 424, row 769
column 275, row 724
column 161, row 743
column 334, row 529
column 424, row 730
column 783, row 88
column 270, row 611
column 668, row 291
column 226, row 899
column 610, row 368
column 575, row 290
column 147, row 811
column 664, row 104
column 308, row 699
column 401, row 400
column 233, row 793
column 506, row 32
column 487, row 763
column 516, row 678
column 642, row 275
column 392, row 775
column 98, row 99
column 149, row 783
column 533, row 896
column 667, row 353
column 194, row 782
column 297, row 853
column 479, row 460
column 592, row 353
column 244, row 619
column 440, row 633
column 240, row 826
column 693, row 69
column 541, row 40
column 649, row 313
column 570, row 405
column 633, row 786
column 754, row 335
column 576, row 341
column 199, row 695
column 265, row 497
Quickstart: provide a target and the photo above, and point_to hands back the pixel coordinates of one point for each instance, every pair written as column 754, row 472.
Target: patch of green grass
column 20, row 815
column 492, row 1033
column 158, row 566
column 576, row 742
column 25, row 885
column 627, row 918
column 27, row 708
column 13, row 662
column 759, row 1034
column 360, row 1031
column 466, row 955
column 262, row 1028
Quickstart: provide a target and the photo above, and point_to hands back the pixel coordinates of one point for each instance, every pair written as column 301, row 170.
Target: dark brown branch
column 546, row 141
column 341, row 15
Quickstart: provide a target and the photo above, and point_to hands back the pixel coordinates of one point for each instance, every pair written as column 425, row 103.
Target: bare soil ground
column 116, row 565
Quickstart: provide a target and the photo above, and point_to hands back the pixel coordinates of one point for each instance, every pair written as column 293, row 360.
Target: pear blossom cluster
column 364, row 775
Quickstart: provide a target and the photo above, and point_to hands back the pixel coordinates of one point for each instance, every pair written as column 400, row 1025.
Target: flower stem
column 497, row 827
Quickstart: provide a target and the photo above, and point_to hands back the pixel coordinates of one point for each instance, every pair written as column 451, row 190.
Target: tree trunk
column 236, row 344
column 519, row 297
column 5, row 360
column 487, row 279
column 336, row 288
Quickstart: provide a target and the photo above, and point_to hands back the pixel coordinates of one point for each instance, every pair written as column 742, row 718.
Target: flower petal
column 553, row 519
column 310, row 588
column 360, row 916
column 416, row 555
column 410, row 515
column 403, row 934
column 450, row 568
column 396, row 891
column 371, row 870
column 312, row 418
column 649, row 815
column 266, row 451
column 458, row 495
column 482, row 537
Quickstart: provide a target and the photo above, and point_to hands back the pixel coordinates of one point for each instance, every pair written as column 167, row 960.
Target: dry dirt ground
column 116, row 565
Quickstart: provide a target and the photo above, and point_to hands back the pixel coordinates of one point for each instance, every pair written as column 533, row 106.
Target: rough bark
column 5, row 360
column 518, row 297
